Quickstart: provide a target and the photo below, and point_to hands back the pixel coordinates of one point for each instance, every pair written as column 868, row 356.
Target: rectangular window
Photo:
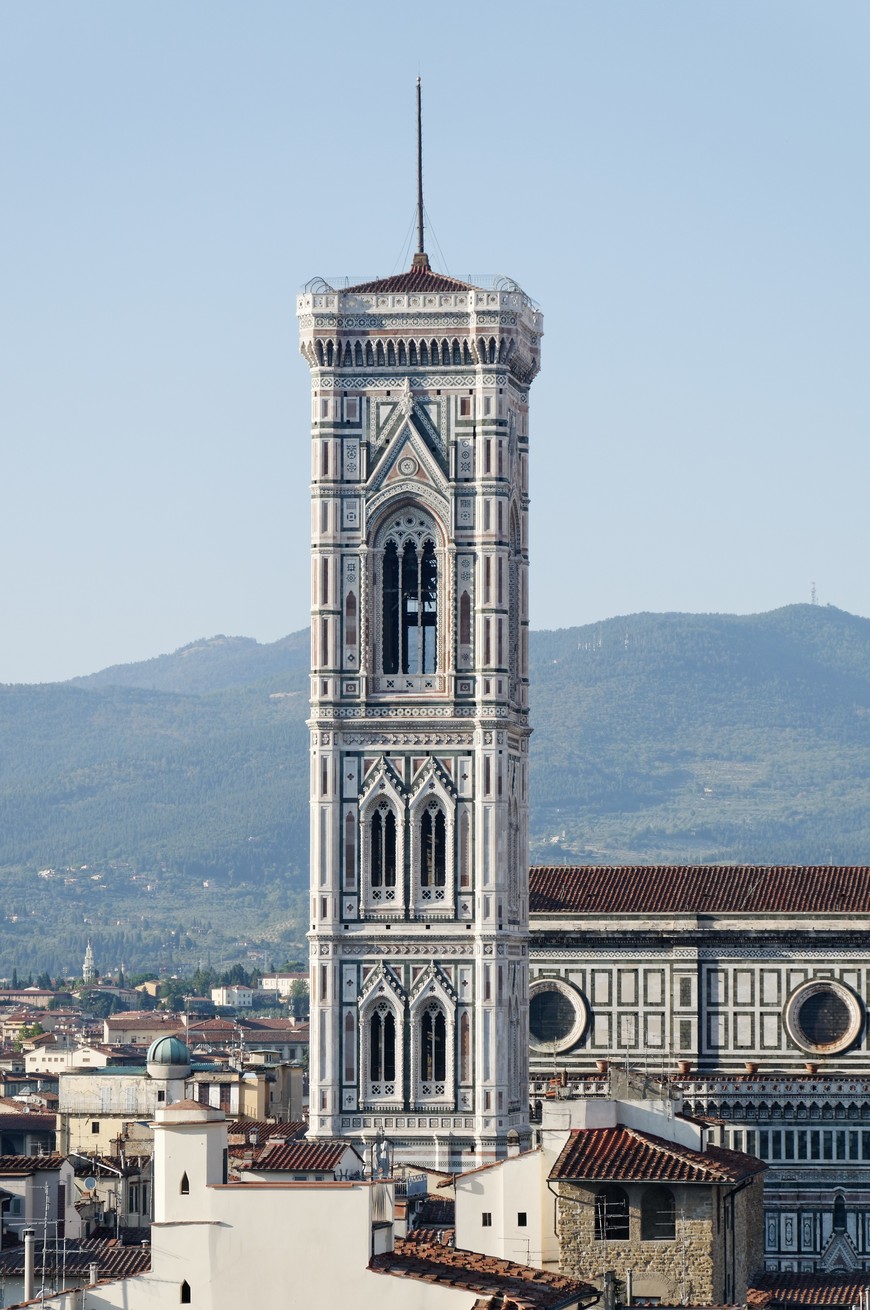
column 853, row 1146
column 522, row 1219
column 763, row 1148
column 865, row 1145
column 841, row 1145
column 802, row 1143
column 487, row 456
column 776, row 1144
column 324, row 457
column 827, row 1145
column 815, row 1147
column 486, row 1219
column 788, row 1145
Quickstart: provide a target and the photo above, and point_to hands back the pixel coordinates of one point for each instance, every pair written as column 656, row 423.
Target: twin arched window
column 382, row 1050
column 433, row 1046
column 433, row 847
column 410, row 607
column 382, row 836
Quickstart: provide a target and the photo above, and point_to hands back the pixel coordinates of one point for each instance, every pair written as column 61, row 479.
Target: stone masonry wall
column 687, row 1271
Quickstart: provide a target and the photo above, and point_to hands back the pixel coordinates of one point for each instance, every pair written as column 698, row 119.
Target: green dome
column 168, row 1050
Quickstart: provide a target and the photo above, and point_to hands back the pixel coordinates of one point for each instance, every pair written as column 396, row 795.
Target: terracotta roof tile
column 112, row 1260
column 259, row 1131
column 520, row 1285
column 302, row 1157
column 699, row 888
column 625, row 1155
column 28, row 1164
column 829, row 1290
column 416, row 279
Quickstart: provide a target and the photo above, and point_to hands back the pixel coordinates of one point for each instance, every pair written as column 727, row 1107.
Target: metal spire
column 421, row 259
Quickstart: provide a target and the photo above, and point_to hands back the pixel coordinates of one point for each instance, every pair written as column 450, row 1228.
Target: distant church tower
column 89, row 969
column 419, row 711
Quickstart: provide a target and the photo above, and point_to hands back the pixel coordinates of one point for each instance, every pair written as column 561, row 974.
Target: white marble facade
column 759, row 1018
column 419, row 707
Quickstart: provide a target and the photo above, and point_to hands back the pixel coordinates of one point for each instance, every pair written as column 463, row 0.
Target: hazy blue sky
column 682, row 184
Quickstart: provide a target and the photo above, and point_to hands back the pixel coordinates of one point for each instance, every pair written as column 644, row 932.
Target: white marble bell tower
column 419, row 712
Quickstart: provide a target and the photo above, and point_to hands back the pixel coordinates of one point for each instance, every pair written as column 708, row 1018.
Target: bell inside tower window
column 410, row 608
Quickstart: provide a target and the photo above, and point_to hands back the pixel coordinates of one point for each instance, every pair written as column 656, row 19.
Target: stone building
column 676, row 1225
column 747, row 987
column 419, row 711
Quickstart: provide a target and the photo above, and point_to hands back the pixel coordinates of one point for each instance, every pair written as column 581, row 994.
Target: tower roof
column 419, row 278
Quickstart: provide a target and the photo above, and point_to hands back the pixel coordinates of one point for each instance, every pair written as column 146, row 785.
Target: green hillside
column 181, row 782
column 701, row 738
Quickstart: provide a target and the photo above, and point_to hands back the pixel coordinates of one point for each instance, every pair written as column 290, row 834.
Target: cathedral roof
column 420, row 278
column 699, row 889
column 625, row 1155
column 807, row 1289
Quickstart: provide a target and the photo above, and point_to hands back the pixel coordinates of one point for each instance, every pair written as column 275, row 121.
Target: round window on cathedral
column 824, row 1017
column 558, row 1015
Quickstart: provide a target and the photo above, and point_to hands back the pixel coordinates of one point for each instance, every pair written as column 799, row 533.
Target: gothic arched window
column 433, row 1047
column 382, row 836
column 382, row 1049
column 409, row 607
column 839, row 1213
column 433, row 847
column 611, row 1215
column 658, row 1215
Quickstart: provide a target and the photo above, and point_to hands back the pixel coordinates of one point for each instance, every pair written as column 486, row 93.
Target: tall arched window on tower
column 381, row 1035
column 433, row 847
column 409, row 598
column 382, row 863
column 433, row 1051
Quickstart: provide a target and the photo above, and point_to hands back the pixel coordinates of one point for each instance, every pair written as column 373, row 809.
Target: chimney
column 93, row 1273
column 29, row 1263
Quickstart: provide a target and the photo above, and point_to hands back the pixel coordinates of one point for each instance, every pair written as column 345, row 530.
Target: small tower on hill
column 89, row 969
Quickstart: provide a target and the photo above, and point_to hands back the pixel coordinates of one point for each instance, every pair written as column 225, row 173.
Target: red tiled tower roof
column 420, row 278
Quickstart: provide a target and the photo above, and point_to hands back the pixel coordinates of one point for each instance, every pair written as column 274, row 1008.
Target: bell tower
column 419, row 711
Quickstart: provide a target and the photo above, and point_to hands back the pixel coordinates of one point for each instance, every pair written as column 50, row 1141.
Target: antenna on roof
column 421, row 259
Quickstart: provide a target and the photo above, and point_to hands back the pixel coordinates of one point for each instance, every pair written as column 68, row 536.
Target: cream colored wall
column 518, row 1184
column 235, row 1244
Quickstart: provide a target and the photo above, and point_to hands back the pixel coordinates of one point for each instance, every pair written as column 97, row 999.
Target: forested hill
column 703, row 738
column 671, row 737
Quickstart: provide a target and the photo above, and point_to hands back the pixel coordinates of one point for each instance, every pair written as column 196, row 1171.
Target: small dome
column 168, row 1050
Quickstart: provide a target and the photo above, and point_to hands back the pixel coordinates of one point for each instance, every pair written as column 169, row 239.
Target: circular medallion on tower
column 408, row 466
column 558, row 1015
column 823, row 1016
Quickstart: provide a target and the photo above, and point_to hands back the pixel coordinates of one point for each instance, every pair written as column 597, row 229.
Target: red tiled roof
column 519, row 1285
column 263, row 1129
column 830, row 1290
column 112, row 1259
column 626, row 1155
column 416, row 279
column 28, row 1164
column 699, row 888
column 302, row 1157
